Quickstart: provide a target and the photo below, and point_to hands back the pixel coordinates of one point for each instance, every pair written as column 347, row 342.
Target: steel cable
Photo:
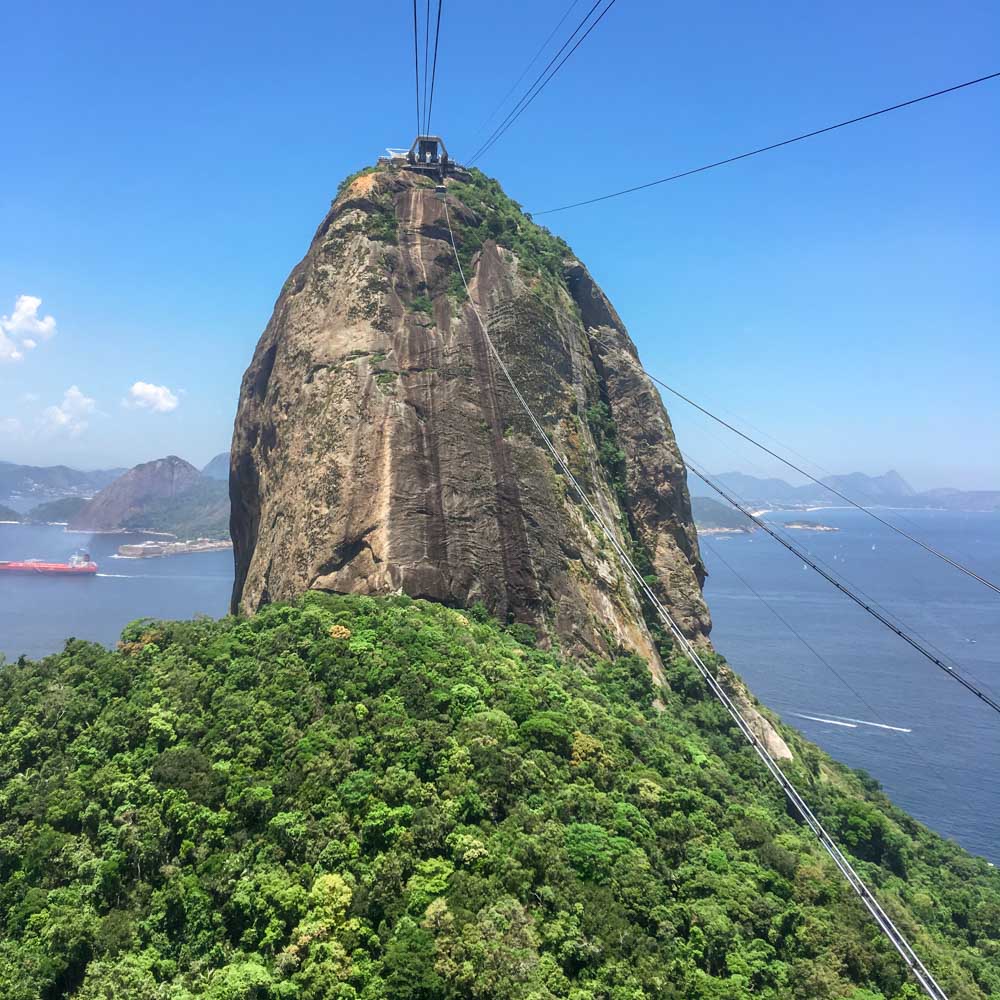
column 766, row 149
column 895, row 936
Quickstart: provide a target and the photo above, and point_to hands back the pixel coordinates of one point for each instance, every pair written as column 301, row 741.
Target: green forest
column 199, row 512
column 354, row 797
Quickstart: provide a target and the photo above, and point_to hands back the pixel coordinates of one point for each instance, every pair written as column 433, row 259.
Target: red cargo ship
column 80, row 564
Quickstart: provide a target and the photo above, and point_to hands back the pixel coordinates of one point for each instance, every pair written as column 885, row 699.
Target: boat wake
column 848, row 723
column 831, row 722
column 150, row 576
column 876, row 725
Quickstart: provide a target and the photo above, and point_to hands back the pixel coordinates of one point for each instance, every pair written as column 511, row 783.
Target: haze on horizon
column 839, row 295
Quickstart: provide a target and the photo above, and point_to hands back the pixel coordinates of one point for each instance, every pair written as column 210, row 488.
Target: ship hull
column 48, row 569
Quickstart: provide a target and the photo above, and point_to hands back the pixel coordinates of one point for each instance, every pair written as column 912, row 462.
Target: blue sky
column 166, row 166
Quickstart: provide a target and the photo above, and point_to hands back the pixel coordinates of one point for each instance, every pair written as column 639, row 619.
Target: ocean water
column 38, row 613
column 944, row 769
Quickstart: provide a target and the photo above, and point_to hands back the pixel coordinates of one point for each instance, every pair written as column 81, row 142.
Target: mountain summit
column 120, row 500
column 167, row 495
column 378, row 450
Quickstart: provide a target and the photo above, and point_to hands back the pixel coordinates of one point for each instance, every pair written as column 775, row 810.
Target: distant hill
column 968, row 500
column 128, row 495
column 6, row 514
column 857, row 485
column 58, row 511
column 889, row 490
column 167, row 495
column 52, row 481
column 750, row 488
column 710, row 515
column 218, row 468
column 199, row 512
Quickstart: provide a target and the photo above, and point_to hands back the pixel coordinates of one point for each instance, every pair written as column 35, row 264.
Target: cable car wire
column 906, row 626
column 926, row 546
column 791, row 628
column 527, row 100
column 535, row 82
column 766, row 149
column 416, row 63
column 514, row 115
column 434, row 67
column 914, row 754
column 495, row 134
column 858, row 589
column 427, row 39
column 866, row 497
column 898, row 940
column 525, row 71
column 879, row 615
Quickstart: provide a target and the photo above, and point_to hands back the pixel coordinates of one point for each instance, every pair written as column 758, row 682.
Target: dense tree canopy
column 366, row 798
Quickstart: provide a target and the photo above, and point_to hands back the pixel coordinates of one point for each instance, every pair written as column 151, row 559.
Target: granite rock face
column 377, row 448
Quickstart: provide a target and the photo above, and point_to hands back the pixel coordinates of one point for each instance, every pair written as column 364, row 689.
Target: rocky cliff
column 376, row 448
column 130, row 494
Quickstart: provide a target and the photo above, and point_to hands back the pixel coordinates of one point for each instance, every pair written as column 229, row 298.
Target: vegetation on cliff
column 358, row 797
column 168, row 495
column 501, row 219
column 202, row 511
column 711, row 515
column 59, row 511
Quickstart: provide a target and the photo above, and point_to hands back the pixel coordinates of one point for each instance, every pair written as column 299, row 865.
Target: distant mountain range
column 24, row 485
column 172, row 496
column 167, row 495
column 889, row 490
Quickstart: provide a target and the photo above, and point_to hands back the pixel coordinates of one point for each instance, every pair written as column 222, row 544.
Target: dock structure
column 151, row 549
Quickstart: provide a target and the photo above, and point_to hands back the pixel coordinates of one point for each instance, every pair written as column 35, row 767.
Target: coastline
column 114, row 531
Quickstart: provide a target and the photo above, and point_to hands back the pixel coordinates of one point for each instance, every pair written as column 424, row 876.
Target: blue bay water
column 38, row 613
column 944, row 771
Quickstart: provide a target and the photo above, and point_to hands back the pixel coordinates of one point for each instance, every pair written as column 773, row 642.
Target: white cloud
column 147, row 396
column 10, row 425
column 10, row 350
column 71, row 416
column 22, row 330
